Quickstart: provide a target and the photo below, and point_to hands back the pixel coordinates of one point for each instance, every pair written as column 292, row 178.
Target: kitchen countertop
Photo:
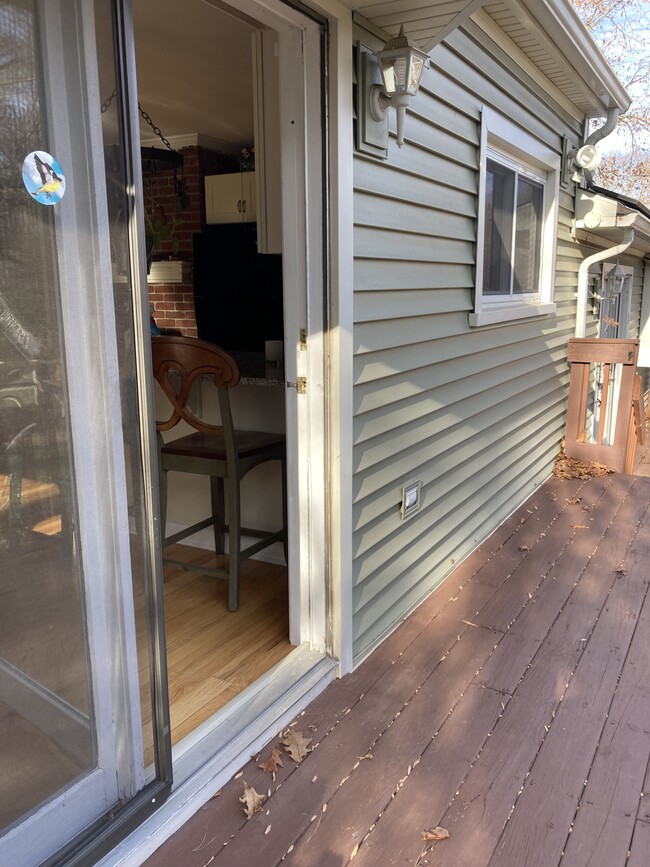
column 254, row 370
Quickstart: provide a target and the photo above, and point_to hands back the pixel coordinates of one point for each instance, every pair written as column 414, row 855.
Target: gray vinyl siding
column 477, row 414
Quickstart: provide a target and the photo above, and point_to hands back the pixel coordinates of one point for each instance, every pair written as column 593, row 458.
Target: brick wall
column 174, row 303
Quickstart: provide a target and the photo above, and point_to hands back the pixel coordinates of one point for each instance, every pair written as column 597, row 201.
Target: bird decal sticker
column 43, row 178
column 50, row 181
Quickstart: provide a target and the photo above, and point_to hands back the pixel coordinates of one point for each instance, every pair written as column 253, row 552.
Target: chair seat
column 248, row 443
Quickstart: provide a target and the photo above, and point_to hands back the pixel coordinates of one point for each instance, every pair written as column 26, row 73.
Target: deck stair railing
column 604, row 417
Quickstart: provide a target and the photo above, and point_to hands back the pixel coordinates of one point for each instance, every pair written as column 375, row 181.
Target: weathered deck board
column 488, row 795
column 572, row 652
column 555, row 782
column 534, row 524
column 640, row 848
column 396, row 839
column 504, row 607
column 604, row 825
column 507, row 665
column 373, row 782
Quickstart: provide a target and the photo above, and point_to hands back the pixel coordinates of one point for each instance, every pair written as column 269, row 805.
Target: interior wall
column 173, row 303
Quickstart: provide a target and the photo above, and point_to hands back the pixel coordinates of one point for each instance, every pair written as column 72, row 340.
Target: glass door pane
column 76, row 627
column 47, row 731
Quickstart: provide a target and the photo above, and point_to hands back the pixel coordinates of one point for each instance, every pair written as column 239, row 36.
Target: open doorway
column 183, row 54
column 231, row 268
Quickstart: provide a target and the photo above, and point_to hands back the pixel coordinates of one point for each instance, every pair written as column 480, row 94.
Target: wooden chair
column 218, row 451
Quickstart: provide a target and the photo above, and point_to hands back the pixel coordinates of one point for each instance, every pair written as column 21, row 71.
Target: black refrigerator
column 237, row 291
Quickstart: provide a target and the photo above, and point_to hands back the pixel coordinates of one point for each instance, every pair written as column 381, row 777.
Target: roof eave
column 575, row 42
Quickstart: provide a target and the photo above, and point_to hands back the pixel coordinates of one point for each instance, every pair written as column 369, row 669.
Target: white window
column 517, row 224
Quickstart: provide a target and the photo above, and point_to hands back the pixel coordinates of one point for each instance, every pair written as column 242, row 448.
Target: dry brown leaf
column 435, row 834
column 251, row 800
column 524, row 547
column 572, row 468
column 574, row 501
column 296, row 745
column 273, row 762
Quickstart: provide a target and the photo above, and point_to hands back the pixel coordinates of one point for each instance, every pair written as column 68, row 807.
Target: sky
column 632, row 57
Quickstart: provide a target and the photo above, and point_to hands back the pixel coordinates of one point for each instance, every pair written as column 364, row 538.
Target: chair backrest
column 177, row 363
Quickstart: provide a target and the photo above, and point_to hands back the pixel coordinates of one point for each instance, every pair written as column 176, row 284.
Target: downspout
column 583, row 278
column 583, row 160
column 597, row 135
column 613, row 115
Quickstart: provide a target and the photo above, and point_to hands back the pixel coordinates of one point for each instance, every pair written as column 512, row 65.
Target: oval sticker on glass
column 43, row 178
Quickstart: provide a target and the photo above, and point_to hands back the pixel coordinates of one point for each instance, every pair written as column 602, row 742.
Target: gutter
column 633, row 204
column 583, row 276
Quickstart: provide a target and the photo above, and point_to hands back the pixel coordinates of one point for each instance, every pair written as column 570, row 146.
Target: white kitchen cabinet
column 230, row 198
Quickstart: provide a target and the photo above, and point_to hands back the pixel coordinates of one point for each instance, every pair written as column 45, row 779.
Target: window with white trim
column 517, row 224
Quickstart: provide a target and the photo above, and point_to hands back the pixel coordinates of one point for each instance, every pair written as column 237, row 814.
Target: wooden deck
column 511, row 708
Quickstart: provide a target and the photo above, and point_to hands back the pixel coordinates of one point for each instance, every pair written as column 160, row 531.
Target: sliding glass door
column 82, row 703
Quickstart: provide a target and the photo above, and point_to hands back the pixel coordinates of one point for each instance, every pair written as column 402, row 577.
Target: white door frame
column 304, row 262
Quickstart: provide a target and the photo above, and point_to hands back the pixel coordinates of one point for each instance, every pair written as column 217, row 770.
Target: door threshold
column 208, row 757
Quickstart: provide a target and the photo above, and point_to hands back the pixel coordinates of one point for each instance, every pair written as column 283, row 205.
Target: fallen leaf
column 251, row 800
column 572, row 468
column 620, row 570
column 296, row 745
column 524, row 547
column 574, row 501
column 274, row 762
column 437, row 833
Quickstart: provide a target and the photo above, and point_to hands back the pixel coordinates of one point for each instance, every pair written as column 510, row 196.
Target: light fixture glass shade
column 616, row 280
column 401, row 65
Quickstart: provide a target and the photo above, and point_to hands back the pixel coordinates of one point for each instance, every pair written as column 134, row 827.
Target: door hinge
column 303, row 339
column 300, row 385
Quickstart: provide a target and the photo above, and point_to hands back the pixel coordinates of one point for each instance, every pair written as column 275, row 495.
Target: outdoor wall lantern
column 401, row 68
column 614, row 282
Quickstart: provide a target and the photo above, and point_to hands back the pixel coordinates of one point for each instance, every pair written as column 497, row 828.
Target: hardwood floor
column 213, row 653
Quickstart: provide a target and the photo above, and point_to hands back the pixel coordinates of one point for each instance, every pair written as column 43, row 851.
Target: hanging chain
column 107, row 102
column 156, row 129
column 143, row 114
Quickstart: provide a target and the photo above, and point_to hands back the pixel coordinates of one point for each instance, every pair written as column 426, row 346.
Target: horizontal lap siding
column 476, row 414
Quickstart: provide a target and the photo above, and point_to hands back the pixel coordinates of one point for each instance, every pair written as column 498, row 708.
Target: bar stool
column 218, row 451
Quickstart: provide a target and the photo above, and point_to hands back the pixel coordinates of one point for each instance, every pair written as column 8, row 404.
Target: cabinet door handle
column 239, row 206
column 244, row 205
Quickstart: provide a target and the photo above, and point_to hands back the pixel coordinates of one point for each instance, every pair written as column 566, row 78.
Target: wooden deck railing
column 617, row 408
